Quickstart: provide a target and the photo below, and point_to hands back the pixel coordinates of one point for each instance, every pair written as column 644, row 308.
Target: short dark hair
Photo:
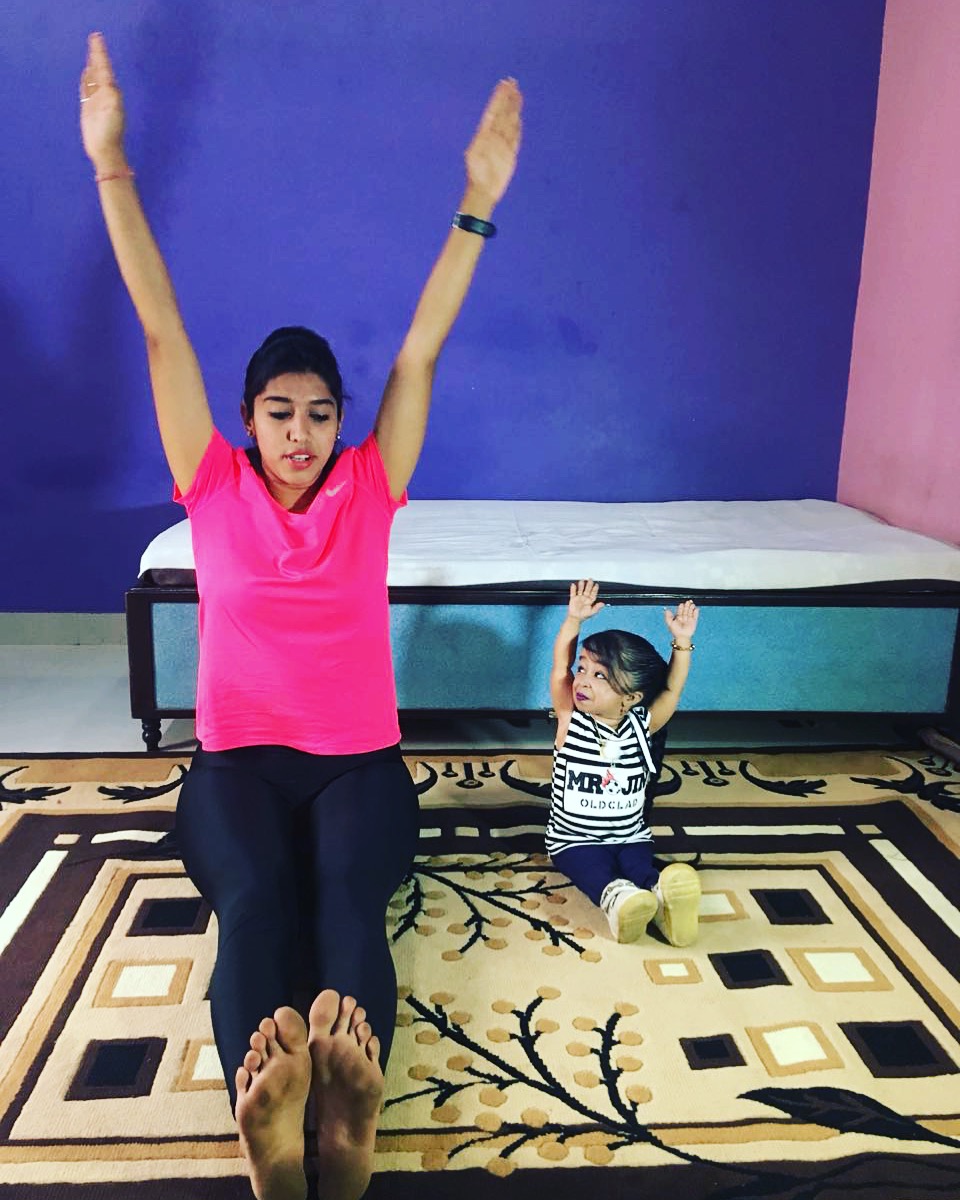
column 292, row 350
column 632, row 662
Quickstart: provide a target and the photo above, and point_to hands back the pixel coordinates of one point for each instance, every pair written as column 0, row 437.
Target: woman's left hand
column 492, row 155
column 683, row 622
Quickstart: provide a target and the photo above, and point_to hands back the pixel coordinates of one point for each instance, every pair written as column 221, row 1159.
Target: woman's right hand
column 101, row 108
column 181, row 400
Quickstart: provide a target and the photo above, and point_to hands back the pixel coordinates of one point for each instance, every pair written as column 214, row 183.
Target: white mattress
column 686, row 544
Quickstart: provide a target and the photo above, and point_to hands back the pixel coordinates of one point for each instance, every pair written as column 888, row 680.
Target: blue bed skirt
column 844, row 658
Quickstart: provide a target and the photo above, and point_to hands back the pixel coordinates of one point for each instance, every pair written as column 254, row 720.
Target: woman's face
column 295, row 426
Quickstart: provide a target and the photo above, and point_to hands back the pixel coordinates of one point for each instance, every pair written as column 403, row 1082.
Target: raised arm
column 402, row 419
column 583, row 605
column 682, row 625
column 178, row 392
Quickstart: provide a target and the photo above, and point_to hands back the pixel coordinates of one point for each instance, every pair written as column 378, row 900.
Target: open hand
column 683, row 622
column 101, row 107
column 492, row 155
column 583, row 599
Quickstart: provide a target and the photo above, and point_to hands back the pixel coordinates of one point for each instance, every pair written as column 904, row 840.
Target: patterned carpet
column 806, row 1047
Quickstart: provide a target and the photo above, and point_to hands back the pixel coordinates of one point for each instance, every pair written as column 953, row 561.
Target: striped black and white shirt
column 597, row 795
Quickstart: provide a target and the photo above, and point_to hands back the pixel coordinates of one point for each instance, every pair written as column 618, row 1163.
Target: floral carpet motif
column 807, row 1046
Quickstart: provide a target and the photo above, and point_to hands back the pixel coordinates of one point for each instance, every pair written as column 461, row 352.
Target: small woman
column 608, row 706
column 297, row 819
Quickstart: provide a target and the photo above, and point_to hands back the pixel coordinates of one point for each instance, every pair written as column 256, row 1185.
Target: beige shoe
column 628, row 909
column 678, row 915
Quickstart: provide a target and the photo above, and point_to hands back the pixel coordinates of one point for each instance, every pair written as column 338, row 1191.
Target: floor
column 74, row 699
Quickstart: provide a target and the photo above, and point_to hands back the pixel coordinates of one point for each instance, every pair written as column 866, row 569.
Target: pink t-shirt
column 294, row 617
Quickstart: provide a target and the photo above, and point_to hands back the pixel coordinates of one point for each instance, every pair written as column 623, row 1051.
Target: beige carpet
column 808, row 1045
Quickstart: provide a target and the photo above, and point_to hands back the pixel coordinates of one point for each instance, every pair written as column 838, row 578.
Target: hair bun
column 292, row 349
column 294, row 333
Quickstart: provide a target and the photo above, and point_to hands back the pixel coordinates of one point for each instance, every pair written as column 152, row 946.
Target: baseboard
column 62, row 629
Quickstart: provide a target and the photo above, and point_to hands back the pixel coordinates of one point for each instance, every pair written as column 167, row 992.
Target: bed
column 810, row 606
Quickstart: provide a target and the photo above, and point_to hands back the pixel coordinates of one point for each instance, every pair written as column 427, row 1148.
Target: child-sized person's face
column 593, row 692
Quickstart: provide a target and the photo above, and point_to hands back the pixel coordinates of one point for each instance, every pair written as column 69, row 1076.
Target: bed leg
column 945, row 739
column 150, row 732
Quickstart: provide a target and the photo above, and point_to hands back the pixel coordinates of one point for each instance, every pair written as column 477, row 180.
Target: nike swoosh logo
column 332, row 491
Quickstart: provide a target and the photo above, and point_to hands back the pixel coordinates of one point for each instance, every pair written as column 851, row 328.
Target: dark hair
column 292, row 350
column 634, row 665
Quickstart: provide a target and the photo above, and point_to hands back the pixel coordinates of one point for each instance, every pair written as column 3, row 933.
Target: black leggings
column 298, row 855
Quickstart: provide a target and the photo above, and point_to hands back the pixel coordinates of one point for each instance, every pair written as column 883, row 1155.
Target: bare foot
column 348, row 1090
column 272, row 1089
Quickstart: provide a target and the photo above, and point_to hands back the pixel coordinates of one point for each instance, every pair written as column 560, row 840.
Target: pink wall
column 900, row 456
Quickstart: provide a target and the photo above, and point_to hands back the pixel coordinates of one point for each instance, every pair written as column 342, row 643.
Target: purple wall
column 667, row 312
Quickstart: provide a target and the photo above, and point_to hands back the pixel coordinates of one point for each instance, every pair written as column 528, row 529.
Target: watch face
column 470, row 224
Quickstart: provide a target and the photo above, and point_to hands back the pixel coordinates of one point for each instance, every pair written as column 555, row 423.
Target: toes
column 242, row 1080
column 344, row 1018
column 268, row 1028
column 258, row 1043
column 363, row 1033
column 373, row 1048
column 252, row 1061
column 291, row 1032
column 331, row 1014
column 324, row 1012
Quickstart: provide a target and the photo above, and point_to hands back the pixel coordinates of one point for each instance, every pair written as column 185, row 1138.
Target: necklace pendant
column 603, row 743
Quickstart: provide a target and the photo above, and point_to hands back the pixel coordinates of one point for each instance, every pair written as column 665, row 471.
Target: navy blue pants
column 298, row 855
column 591, row 868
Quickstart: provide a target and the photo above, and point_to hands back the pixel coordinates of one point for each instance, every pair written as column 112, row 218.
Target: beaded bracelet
column 676, row 647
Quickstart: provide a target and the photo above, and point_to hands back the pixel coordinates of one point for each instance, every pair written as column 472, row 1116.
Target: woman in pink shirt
column 298, row 819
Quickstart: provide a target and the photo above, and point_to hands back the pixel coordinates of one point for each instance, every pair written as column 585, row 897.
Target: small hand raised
column 683, row 622
column 583, row 600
